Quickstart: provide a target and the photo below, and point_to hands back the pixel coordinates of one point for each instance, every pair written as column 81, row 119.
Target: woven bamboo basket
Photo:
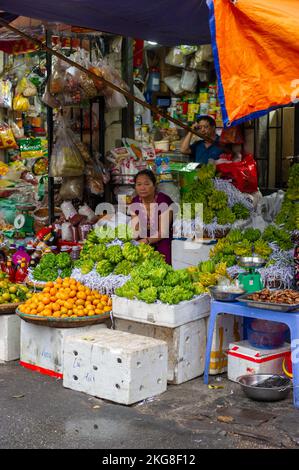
column 8, row 309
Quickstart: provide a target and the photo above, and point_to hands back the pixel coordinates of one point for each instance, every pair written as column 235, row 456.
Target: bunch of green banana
column 262, row 248
column 207, row 267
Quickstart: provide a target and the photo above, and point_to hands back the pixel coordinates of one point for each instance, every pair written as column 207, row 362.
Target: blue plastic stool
column 291, row 319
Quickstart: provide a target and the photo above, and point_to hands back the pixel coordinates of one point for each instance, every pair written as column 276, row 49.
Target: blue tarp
column 168, row 22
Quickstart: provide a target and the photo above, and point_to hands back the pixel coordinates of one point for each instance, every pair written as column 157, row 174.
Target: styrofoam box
column 186, row 346
column 189, row 253
column 43, row 346
column 116, row 366
column 228, row 328
column 9, row 337
column 159, row 313
column 244, row 359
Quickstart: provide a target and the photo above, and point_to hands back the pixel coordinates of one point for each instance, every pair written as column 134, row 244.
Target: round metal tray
column 63, row 322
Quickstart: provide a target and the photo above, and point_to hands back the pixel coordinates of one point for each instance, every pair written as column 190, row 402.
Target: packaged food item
column 83, row 151
column 18, row 132
column 7, row 140
column 176, row 57
column 87, row 212
column 68, row 210
column 66, row 231
column 56, row 79
column 5, row 94
column 26, row 88
column 20, row 103
column 189, row 80
column 174, row 84
column 31, row 148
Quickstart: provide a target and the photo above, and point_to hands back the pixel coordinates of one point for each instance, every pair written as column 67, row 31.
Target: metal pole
column 50, row 133
column 128, row 112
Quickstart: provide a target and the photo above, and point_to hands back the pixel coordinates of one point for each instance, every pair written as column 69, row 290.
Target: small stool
column 291, row 319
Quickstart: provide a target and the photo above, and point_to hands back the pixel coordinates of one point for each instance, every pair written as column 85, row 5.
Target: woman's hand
column 143, row 240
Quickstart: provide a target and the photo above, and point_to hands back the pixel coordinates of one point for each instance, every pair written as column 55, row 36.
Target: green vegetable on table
column 114, row 254
column 130, row 252
column 240, row 211
column 104, row 268
column 148, row 295
column 124, row 267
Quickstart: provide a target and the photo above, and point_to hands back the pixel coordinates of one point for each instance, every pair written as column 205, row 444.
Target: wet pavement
column 38, row 412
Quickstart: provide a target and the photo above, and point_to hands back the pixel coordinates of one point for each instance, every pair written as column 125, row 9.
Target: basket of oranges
column 66, row 303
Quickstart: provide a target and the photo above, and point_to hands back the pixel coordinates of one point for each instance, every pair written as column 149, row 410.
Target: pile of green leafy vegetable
column 215, row 202
column 53, row 266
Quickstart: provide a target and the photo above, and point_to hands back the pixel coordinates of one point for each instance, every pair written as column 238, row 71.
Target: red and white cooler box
column 244, row 359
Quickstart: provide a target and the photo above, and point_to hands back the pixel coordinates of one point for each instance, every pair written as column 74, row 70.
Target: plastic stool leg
column 212, row 322
column 295, row 360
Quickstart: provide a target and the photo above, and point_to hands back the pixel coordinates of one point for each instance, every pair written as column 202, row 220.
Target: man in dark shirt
column 202, row 151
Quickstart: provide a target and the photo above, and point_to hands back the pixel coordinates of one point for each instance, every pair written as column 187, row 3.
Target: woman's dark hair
column 209, row 119
column 147, row 173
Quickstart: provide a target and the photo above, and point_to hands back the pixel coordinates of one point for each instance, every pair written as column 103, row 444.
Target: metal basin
column 251, row 261
column 249, row 386
column 223, row 295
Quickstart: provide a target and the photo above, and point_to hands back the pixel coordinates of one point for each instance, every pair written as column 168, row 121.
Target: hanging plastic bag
column 53, row 101
column 18, row 132
column 20, row 103
column 26, row 88
column 66, row 159
column 243, row 174
column 7, row 140
column 5, row 94
column 94, row 178
column 189, row 80
column 72, row 188
column 174, row 84
column 187, row 50
column 176, row 57
column 56, row 83
column 116, row 101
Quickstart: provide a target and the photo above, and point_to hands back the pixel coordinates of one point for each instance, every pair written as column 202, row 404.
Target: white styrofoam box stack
column 9, row 337
column 189, row 253
column 186, row 346
column 228, row 329
column 42, row 346
column 159, row 313
column 116, row 366
column 244, row 359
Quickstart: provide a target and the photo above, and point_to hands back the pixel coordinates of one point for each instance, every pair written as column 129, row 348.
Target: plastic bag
column 5, row 94
column 243, row 174
column 72, row 188
column 26, row 88
column 174, row 84
column 18, row 132
column 189, row 80
column 7, row 140
column 176, row 57
column 187, row 50
column 56, row 83
column 66, row 159
column 20, row 103
column 116, row 101
column 94, row 178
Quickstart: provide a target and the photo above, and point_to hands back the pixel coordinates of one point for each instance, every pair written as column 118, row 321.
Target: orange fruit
column 40, row 308
column 91, row 313
column 33, row 311
column 55, row 307
column 63, row 310
column 49, row 284
column 81, row 295
column 80, row 313
column 72, row 294
column 57, row 315
column 47, row 313
column 59, row 280
column 53, row 291
column 79, row 302
column 46, row 290
column 95, row 301
column 45, row 300
column 107, row 309
column 98, row 311
column 109, row 302
column 70, row 312
column 64, row 315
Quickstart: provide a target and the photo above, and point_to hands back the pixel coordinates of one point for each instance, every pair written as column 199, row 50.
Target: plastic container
column 266, row 334
column 162, row 145
column 153, row 80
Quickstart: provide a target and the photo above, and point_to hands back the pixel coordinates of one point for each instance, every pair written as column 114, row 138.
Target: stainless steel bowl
column 251, row 261
column 249, row 387
column 223, row 295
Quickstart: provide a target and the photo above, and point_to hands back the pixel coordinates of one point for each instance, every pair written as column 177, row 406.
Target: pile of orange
column 67, row 298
